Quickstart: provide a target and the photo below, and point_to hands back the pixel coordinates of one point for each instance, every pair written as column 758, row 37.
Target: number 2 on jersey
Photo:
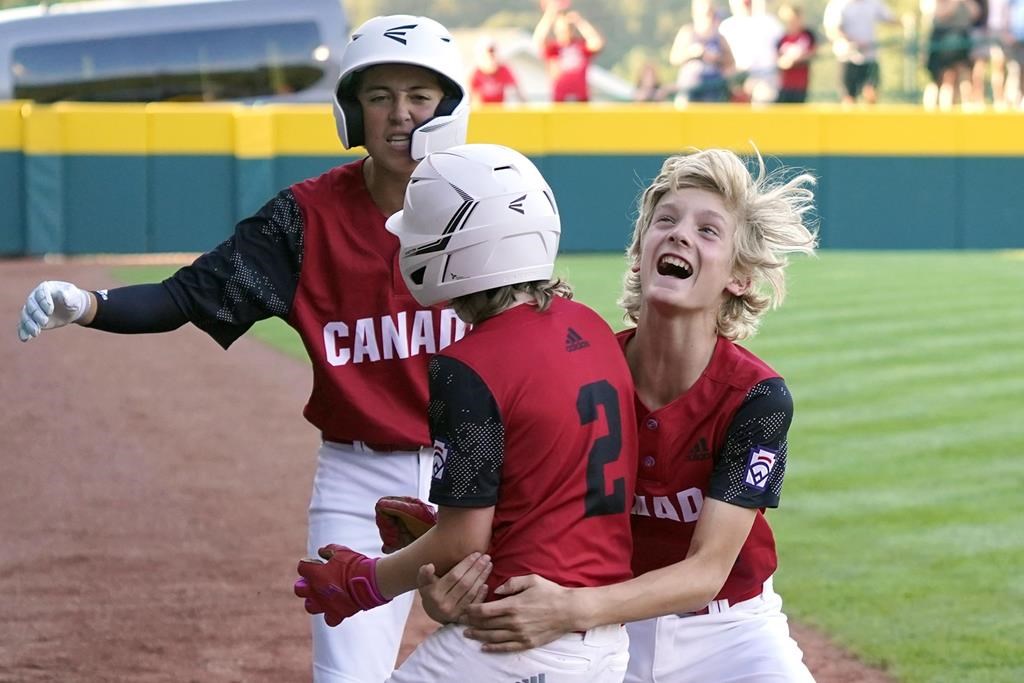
column 605, row 450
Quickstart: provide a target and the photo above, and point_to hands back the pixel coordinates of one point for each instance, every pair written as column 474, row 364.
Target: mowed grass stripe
column 947, row 355
column 922, row 424
column 899, row 379
column 910, row 373
column 903, row 327
column 898, row 529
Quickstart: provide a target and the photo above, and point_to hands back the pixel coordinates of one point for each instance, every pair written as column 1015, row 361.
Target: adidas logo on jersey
column 699, row 451
column 574, row 342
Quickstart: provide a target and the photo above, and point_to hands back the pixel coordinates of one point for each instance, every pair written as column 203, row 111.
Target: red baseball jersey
column 532, row 413
column 724, row 438
column 319, row 257
column 490, row 87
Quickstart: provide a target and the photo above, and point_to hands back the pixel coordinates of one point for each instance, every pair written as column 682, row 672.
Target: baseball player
column 534, row 451
column 319, row 257
column 706, row 261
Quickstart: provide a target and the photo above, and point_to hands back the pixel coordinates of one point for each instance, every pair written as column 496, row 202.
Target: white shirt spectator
column 753, row 41
column 856, row 20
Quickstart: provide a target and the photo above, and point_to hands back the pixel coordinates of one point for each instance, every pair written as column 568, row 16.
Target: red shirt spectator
column 568, row 51
column 798, row 76
column 490, row 87
column 568, row 65
column 491, row 79
column 795, row 51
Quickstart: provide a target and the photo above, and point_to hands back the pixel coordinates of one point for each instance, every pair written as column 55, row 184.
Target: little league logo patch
column 440, row 456
column 759, row 468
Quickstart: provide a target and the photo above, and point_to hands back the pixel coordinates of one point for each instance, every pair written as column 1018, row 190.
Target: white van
column 172, row 50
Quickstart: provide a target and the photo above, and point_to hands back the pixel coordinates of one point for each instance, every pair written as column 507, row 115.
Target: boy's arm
column 538, row 611
column 458, row 532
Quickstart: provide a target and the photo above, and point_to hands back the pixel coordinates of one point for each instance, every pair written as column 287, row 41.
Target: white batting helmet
column 405, row 39
column 475, row 217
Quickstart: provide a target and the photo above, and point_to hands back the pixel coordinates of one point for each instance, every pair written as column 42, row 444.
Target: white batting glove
column 51, row 304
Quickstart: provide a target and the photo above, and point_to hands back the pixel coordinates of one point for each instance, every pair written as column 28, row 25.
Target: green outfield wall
column 97, row 178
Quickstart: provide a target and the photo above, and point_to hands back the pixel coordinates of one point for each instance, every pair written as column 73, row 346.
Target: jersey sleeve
column 468, row 436
column 749, row 470
column 249, row 277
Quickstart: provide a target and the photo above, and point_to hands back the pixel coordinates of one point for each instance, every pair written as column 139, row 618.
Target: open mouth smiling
column 673, row 266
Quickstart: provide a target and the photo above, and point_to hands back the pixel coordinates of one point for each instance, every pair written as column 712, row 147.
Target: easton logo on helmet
column 398, row 33
column 517, row 205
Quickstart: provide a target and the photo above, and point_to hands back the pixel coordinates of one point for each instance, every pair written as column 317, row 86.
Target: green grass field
column 900, row 529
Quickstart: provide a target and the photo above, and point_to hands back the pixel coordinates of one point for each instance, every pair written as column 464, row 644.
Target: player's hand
column 536, row 612
column 51, row 304
column 446, row 598
column 401, row 520
column 340, row 587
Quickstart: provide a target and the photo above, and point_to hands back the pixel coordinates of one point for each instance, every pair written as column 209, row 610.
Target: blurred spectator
column 796, row 49
column 1015, row 56
column 979, row 56
column 753, row 36
column 491, row 77
column 990, row 63
column 567, row 42
column 851, row 25
column 703, row 56
column 648, row 87
column 948, row 49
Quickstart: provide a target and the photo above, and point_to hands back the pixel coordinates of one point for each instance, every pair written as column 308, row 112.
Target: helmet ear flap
column 452, row 96
column 352, row 113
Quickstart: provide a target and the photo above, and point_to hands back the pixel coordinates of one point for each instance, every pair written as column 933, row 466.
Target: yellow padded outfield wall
column 594, row 129
column 890, row 177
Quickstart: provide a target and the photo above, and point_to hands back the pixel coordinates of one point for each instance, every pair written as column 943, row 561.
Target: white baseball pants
column 748, row 642
column 597, row 656
column 349, row 479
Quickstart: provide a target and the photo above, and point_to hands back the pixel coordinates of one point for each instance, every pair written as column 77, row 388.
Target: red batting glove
column 345, row 585
column 401, row 520
column 311, row 604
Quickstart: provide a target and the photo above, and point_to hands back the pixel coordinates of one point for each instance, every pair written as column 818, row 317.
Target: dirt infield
column 153, row 505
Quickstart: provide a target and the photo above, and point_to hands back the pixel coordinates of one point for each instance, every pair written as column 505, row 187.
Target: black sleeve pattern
column 750, row 469
column 468, row 435
column 249, row 277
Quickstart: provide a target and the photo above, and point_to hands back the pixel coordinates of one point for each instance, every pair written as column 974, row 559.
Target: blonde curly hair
column 772, row 213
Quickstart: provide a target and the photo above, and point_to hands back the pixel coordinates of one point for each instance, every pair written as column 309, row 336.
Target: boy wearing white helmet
column 319, row 257
column 531, row 417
